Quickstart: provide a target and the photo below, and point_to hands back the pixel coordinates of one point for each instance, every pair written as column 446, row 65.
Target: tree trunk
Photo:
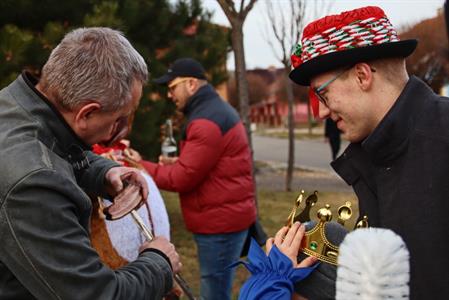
column 240, row 75
column 237, row 18
column 291, row 132
column 309, row 116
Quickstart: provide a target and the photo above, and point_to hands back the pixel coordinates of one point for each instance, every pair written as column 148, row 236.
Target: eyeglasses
column 317, row 91
column 176, row 81
column 120, row 130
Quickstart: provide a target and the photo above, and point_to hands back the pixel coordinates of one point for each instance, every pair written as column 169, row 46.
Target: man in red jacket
column 213, row 175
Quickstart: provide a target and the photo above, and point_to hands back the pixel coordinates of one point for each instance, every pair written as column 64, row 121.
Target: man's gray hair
column 94, row 63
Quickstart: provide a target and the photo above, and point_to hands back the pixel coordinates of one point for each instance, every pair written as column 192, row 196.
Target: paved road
column 309, row 154
column 312, row 155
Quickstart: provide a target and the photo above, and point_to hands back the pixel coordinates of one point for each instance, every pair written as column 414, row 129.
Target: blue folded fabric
column 273, row 276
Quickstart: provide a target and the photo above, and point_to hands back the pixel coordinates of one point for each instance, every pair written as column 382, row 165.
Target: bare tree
column 258, row 89
column 237, row 19
column 286, row 36
column 286, row 27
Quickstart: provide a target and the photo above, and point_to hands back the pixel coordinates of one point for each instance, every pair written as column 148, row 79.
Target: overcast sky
column 260, row 55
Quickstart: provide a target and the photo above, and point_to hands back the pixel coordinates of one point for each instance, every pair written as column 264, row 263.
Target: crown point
column 325, row 214
column 315, row 242
column 363, row 223
column 344, row 213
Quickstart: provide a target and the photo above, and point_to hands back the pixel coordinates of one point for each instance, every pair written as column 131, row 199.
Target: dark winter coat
column 400, row 174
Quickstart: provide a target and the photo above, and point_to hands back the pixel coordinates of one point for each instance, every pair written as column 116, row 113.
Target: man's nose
column 169, row 95
column 324, row 111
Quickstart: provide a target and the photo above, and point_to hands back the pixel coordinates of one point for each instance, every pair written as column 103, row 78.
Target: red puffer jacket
column 214, row 172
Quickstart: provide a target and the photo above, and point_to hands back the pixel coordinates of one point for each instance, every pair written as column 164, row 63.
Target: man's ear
column 364, row 75
column 192, row 86
column 84, row 114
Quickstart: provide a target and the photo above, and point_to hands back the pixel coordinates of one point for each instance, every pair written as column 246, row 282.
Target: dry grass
column 274, row 208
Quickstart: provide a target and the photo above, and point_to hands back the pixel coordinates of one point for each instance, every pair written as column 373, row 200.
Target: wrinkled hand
column 162, row 244
column 115, row 176
column 288, row 241
column 165, row 161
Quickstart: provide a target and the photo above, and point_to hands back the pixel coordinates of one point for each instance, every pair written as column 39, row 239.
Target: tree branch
column 242, row 5
column 246, row 10
column 228, row 8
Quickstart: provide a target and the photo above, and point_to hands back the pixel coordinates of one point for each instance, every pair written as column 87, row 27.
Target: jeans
column 216, row 252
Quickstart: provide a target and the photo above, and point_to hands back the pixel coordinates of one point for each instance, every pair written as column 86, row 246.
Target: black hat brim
column 335, row 60
column 164, row 79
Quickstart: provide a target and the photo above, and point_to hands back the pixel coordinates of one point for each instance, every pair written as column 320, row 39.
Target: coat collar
column 54, row 130
column 390, row 138
column 204, row 93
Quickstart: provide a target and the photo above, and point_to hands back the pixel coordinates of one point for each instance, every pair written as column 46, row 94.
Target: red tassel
column 314, row 103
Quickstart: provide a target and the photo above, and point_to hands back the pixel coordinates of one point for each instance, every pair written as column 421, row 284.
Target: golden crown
column 315, row 242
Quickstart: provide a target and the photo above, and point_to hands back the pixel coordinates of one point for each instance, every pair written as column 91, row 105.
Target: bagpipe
column 126, row 203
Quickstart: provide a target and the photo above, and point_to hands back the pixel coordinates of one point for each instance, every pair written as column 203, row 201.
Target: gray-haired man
column 89, row 87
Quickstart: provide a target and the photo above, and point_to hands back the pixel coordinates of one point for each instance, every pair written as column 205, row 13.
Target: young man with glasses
column 213, row 175
column 398, row 158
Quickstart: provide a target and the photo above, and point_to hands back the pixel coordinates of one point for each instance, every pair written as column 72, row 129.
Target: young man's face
column 346, row 104
column 106, row 126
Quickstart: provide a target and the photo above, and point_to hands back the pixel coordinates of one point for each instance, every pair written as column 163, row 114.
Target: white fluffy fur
column 373, row 263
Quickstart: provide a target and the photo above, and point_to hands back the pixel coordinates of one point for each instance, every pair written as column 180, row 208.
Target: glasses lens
column 120, row 132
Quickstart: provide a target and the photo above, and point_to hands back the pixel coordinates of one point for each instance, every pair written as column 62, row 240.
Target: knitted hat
column 336, row 41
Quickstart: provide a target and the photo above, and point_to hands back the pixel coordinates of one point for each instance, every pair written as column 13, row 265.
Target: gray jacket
column 45, row 175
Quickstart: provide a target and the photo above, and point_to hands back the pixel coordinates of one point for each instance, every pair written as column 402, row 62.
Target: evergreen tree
column 160, row 30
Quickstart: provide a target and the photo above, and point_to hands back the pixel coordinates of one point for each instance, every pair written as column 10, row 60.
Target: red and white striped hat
column 337, row 41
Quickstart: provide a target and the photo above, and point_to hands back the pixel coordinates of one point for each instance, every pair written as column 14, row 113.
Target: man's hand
column 164, row 160
column 133, row 154
column 288, row 241
column 162, row 244
column 115, row 176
